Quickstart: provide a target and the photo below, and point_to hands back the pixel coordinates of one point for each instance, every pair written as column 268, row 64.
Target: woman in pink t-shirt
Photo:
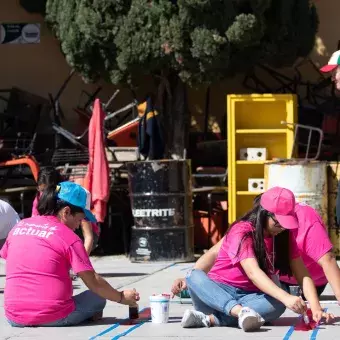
column 242, row 287
column 316, row 251
column 39, row 253
column 49, row 176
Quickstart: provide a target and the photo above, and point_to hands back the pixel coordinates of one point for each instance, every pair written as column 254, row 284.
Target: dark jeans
column 88, row 304
column 319, row 289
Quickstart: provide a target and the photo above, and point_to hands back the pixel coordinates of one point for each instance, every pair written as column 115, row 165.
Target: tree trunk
column 174, row 116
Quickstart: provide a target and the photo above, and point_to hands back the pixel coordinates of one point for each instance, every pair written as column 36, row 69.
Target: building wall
column 41, row 68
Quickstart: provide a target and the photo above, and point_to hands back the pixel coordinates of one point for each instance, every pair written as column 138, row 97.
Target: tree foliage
column 199, row 40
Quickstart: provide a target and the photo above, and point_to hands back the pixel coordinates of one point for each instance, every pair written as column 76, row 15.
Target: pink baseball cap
column 281, row 202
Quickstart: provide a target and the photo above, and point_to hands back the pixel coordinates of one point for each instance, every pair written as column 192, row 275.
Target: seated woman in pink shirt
column 39, row 253
column 242, row 286
column 316, row 251
column 49, row 176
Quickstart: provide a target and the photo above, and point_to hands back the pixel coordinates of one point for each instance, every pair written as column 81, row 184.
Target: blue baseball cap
column 76, row 195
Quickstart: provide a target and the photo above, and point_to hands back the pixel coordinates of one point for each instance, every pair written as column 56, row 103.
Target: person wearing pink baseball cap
column 281, row 203
column 237, row 281
column 333, row 66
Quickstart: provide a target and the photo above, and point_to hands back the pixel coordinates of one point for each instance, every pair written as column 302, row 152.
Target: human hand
column 320, row 314
column 129, row 297
column 178, row 285
column 296, row 304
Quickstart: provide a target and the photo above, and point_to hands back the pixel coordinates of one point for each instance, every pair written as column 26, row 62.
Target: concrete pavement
column 149, row 279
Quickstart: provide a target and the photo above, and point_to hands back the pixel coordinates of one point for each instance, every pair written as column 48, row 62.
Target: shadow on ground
column 285, row 321
column 327, row 298
column 106, row 321
column 334, row 322
column 121, row 274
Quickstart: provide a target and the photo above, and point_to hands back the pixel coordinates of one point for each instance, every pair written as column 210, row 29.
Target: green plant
column 189, row 41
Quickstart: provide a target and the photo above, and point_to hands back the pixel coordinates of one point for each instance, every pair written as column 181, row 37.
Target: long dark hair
column 258, row 217
column 49, row 176
column 49, row 204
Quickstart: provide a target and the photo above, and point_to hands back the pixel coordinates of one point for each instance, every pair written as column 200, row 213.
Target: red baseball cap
column 333, row 63
column 281, row 202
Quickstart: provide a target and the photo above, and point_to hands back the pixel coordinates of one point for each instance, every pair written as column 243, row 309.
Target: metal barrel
column 307, row 180
column 161, row 202
column 333, row 188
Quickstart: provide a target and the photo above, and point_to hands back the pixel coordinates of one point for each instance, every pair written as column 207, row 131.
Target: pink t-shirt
column 227, row 268
column 313, row 242
column 39, row 253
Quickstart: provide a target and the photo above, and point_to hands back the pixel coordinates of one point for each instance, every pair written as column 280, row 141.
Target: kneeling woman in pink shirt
column 39, row 253
column 242, row 287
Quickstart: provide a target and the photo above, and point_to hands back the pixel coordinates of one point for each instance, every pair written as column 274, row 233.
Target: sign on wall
column 17, row 33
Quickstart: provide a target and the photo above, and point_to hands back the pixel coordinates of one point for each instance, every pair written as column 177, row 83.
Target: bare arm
column 206, row 261
column 302, row 276
column 101, row 287
column 86, row 228
column 332, row 272
column 262, row 281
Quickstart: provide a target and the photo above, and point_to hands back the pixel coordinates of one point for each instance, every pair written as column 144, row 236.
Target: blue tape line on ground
column 186, row 268
column 109, row 329
column 316, row 330
column 290, row 331
column 105, row 331
column 131, row 329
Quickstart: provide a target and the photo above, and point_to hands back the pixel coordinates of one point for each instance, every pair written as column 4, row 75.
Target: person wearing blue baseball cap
column 89, row 231
column 39, row 253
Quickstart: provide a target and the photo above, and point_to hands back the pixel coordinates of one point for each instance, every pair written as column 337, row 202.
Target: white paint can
column 159, row 305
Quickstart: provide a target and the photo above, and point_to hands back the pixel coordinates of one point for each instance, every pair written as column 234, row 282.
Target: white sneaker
column 249, row 320
column 195, row 319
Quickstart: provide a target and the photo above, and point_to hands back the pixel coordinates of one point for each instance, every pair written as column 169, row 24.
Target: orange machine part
column 125, row 135
column 218, row 228
column 27, row 160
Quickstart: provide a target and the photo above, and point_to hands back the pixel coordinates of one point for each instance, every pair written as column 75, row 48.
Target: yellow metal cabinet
column 255, row 121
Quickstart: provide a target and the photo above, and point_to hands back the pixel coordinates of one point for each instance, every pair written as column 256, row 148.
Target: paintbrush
column 305, row 318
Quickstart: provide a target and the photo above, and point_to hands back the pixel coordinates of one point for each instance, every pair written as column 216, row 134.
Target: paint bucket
column 159, row 305
column 184, row 294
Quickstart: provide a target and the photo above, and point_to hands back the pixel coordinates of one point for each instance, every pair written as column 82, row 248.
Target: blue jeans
column 217, row 299
column 87, row 305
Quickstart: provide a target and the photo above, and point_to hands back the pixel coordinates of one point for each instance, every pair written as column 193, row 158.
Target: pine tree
column 183, row 41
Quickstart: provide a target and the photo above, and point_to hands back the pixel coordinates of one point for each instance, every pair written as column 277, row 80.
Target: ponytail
column 49, row 204
column 48, row 201
column 49, row 176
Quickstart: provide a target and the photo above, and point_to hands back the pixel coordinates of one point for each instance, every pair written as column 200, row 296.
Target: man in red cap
column 333, row 66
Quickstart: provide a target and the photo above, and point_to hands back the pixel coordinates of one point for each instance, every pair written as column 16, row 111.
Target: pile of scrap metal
column 121, row 143
column 25, row 141
column 318, row 106
column 22, row 129
column 32, row 136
